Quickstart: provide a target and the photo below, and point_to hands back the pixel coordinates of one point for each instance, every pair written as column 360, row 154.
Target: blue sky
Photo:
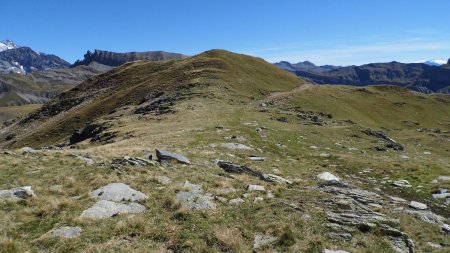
column 339, row 32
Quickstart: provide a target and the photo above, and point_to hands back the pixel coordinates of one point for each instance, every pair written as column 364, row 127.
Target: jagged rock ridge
column 117, row 59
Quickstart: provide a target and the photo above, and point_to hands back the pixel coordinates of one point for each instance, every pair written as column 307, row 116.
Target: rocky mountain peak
column 7, row 44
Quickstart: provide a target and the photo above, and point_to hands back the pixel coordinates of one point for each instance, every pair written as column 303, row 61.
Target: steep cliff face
column 27, row 60
column 117, row 59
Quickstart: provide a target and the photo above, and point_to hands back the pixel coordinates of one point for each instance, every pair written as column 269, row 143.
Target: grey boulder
column 262, row 240
column 19, row 193
column 164, row 155
column 195, row 201
column 106, row 209
column 65, row 232
column 118, row 192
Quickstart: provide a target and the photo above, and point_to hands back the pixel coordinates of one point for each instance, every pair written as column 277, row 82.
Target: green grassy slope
column 214, row 72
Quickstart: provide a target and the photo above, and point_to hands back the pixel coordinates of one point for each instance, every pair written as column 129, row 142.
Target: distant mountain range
column 29, row 77
column 427, row 77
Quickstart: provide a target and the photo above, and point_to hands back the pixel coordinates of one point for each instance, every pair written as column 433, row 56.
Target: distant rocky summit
column 25, row 60
column 304, row 66
column 116, row 59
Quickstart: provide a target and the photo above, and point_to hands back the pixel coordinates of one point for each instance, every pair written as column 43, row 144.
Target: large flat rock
column 118, row 192
column 105, row 209
column 164, row 155
column 65, row 232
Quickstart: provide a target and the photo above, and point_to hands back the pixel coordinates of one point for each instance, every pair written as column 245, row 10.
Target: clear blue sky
column 340, row 32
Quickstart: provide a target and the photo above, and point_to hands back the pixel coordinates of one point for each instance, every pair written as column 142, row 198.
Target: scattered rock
column 417, row 205
column 28, row 150
column 434, row 245
column 163, row 180
column 391, row 143
column 441, row 194
column 88, row 132
column 258, row 199
column 351, row 207
column 65, row 232
column 397, row 199
column 443, row 178
column 275, row 179
column 163, row 155
column 55, row 188
column 254, row 187
column 327, row 176
column 118, row 192
column 157, row 103
column 235, row 146
column 19, row 193
column 236, row 201
column 334, row 251
column 195, row 201
column 257, row 158
column 105, row 209
column 262, row 240
column 134, row 161
column 239, row 169
column 430, row 217
column 225, row 191
column 404, row 157
column 194, row 188
column 87, row 160
column 402, row 184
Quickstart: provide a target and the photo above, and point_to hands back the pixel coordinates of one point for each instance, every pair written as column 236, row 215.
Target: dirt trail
column 284, row 94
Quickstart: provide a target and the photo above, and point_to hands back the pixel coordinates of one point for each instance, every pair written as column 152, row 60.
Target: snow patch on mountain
column 435, row 62
column 7, row 44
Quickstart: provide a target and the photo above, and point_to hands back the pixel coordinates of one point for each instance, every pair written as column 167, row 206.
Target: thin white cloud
column 356, row 54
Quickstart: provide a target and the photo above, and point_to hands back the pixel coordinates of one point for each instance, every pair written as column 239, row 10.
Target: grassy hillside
column 213, row 73
column 221, row 98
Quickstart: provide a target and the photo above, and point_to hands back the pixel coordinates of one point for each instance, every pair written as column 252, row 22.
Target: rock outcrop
column 19, row 193
column 116, row 59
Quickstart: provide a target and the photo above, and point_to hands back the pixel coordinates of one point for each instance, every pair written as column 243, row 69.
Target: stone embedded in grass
column 65, row 232
column 258, row 199
column 118, row 192
column 19, row 193
column 402, row 184
column 85, row 159
column 225, row 191
column 236, row 201
column 434, row 245
column 443, row 178
column 106, row 209
column 28, row 150
column 275, row 179
column 134, row 161
column 397, row 199
column 164, row 156
column 418, row 205
column 257, row 158
column 334, row 251
column 254, row 187
column 441, row 194
column 163, row 180
column 327, row 176
column 235, row 146
column 195, row 201
column 193, row 188
column 262, row 240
